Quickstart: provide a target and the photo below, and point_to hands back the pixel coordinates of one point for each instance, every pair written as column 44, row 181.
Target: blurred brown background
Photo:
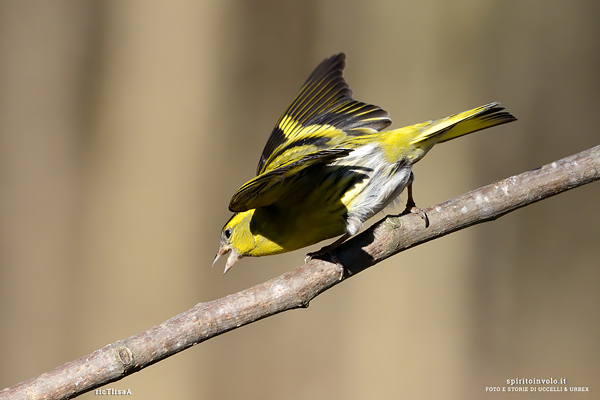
column 125, row 127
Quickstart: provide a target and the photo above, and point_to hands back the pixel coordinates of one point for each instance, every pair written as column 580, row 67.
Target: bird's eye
column 227, row 233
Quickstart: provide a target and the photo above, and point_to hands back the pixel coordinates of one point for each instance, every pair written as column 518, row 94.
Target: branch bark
column 298, row 287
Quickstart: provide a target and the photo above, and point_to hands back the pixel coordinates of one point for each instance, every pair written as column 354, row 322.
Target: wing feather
column 267, row 188
column 320, row 117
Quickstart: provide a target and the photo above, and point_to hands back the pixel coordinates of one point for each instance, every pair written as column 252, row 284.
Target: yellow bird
column 329, row 166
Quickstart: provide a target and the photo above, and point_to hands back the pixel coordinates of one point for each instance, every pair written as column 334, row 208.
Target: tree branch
column 298, row 287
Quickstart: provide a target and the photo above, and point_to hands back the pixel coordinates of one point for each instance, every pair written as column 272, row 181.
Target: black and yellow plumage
column 329, row 165
column 322, row 114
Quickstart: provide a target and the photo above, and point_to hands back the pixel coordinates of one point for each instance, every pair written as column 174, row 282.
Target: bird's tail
column 444, row 129
column 420, row 138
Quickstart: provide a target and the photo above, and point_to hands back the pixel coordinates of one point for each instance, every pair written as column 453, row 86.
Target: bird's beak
column 231, row 260
column 222, row 251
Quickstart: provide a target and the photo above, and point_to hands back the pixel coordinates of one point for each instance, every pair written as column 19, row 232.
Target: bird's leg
column 411, row 207
column 330, row 250
column 327, row 249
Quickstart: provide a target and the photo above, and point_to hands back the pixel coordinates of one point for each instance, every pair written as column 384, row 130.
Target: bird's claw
column 332, row 255
column 411, row 208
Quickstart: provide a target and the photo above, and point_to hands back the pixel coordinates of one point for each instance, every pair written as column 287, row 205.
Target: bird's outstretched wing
column 320, row 117
column 271, row 186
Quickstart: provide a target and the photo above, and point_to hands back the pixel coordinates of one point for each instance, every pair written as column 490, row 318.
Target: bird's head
column 249, row 234
column 237, row 238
